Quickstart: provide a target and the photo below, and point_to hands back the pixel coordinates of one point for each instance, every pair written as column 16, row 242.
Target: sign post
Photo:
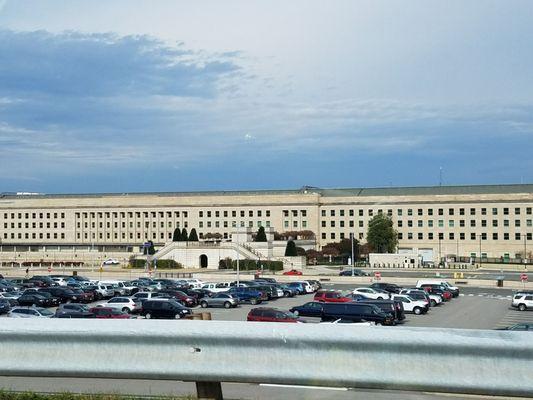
column 523, row 278
column 377, row 275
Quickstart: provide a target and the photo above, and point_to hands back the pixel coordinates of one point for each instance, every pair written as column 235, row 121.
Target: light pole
column 353, row 260
column 438, row 263
column 525, row 251
column 480, row 236
column 237, row 249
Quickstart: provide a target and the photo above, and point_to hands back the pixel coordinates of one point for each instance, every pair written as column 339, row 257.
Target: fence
column 210, row 352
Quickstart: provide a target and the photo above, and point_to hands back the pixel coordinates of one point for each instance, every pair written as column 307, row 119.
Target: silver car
column 220, row 300
column 30, row 312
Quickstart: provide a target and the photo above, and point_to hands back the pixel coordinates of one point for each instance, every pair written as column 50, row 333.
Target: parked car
column 454, row 290
column 109, row 313
column 217, row 287
column 293, row 272
column 30, row 312
column 33, row 299
column 111, row 261
column 310, row 309
column 60, row 281
column 51, row 301
column 194, row 283
column 518, row 327
column 181, row 297
column 5, row 306
column 356, row 312
column 42, row 281
column 388, row 287
column 225, row 300
column 64, row 294
column 371, row 293
column 263, row 279
column 166, row 309
column 411, row 305
column 298, row 286
column 432, row 298
column 264, row 314
column 316, row 284
column 287, row 290
column 330, row 296
column 124, row 304
column 356, row 272
column 143, row 296
column 272, row 292
column 73, row 310
column 83, row 296
column 389, row 306
column 438, row 290
column 522, row 301
column 245, row 295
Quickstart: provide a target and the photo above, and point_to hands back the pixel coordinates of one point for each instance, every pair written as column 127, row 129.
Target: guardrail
column 210, row 352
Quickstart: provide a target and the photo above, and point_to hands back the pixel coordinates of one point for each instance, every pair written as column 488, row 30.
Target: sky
column 137, row 96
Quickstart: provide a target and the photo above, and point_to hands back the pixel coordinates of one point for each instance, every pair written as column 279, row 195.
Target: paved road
column 230, row 390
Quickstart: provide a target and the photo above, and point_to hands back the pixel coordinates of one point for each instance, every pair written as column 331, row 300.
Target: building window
column 360, row 213
column 461, row 211
column 351, row 213
column 409, row 211
column 400, row 212
column 400, row 224
column 341, row 213
column 323, row 235
column 420, row 236
column 441, row 211
column 332, row 213
column 430, row 223
column 451, row 223
column 494, row 223
column 505, row 236
column 451, row 236
column 472, row 211
column 351, row 224
column 462, row 223
column 441, row 236
column 430, row 211
column 517, row 222
column 420, row 211
column 494, row 211
column 409, row 223
column 517, row 236
column 409, row 235
column 451, row 211
column 323, row 224
column 528, row 210
column 505, row 222
column 505, row 211
column 332, row 235
column 462, row 236
column 494, row 236
column 430, row 235
column 528, row 222
column 341, row 224
column 360, row 224
column 400, row 236
column 441, row 223
column 528, row 236
column 472, row 223
column 483, row 211
column 332, row 224
column 517, row 211
column 483, row 236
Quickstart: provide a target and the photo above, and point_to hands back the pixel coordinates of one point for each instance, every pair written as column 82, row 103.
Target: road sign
column 523, row 277
column 377, row 275
column 49, row 269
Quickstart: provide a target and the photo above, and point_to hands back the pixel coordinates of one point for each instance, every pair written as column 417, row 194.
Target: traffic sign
column 523, row 277
column 377, row 275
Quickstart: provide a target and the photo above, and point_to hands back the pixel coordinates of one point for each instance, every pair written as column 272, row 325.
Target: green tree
column 290, row 250
column 176, row 237
column 381, row 235
column 261, row 235
column 150, row 249
column 193, row 236
column 184, row 235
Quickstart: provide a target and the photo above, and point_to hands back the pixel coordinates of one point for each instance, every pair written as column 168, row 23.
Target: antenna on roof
column 440, row 176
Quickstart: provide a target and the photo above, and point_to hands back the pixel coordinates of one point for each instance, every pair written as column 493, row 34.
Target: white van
column 453, row 289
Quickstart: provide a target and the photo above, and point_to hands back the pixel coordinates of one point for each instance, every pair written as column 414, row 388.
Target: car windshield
column 45, row 312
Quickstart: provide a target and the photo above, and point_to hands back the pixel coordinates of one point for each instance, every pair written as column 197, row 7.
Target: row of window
column 34, row 225
column 34, row 215
column 420, row 211
column 131, row 236
column 131, row 214
column 242, row 213
column 430, row 223
column 431, row 236
column 34, row 235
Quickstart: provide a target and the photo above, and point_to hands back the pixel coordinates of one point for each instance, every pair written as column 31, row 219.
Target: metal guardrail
column 210, row 352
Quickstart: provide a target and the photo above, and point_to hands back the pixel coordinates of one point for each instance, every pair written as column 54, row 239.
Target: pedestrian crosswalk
column 487, row 295
column 514, row 316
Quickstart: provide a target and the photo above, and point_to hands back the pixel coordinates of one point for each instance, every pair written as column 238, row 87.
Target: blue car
column 298, row 286
column 246, row 294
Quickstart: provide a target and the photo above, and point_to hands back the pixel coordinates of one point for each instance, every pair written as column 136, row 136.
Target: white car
column 434, row 299
column 410, row 305
column 371, row 293
column 60, row 281
column 120, row 287
column 124, row 304
column 307, row 287
column 194, row 283
column 217, row 287
column 105, row 291
column 111, row 261
column 523, row 301
column 30, row 312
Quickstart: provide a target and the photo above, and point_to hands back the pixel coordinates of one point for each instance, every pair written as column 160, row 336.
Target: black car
column 165, row 309
column 311, row 309
column 5, row 306
column 43, row 280
column 64, row 294
column 268, row 280
column 389, row 306
column 33, row 299
column 356, row 312
column 356, row 272
column 52, row 301
column 388, row 287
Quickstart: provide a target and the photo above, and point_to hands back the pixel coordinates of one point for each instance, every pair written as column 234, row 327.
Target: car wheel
column 126, row 310
column 204, row 304
column 433, row 303
column 380, row 298
column 286, row 294
column 177, row 316
column 295, row 312
column 417, row 310
column 227, row 304
column 148, row 316
column 522, row 307
column 253, row 301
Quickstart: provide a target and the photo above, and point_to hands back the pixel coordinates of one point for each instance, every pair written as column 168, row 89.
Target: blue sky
column 131, row 95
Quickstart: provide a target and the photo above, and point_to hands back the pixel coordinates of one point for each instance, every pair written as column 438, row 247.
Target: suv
column 356, row 312
column 263, row 314
column 330, row 296
column 246, row 294
column 225, row 300
column 522, row 301
column 389, row 306
column 30, row 312
column 63, row 293
column 411, row 305
column 73, row 310
column 125, row 304
column 167, row 309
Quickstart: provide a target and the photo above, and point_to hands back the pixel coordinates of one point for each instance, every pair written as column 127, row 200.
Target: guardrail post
column 209, row 391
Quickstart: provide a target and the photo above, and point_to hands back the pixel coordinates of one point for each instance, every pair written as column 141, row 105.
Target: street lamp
column 353, row 259
column 480, row 236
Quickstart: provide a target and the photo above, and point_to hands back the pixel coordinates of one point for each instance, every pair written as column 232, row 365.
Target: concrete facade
column 493, row 220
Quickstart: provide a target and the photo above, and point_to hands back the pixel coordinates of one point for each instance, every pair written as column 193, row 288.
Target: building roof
column 340, row 192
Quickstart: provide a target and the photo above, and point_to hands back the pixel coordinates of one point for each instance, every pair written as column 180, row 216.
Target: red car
column 109, row 313
column 264, row 314
column 293, row 272
column 331, row 296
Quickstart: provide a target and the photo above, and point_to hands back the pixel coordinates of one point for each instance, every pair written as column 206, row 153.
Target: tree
column 381, row 235
column 184, row 235
column 261, row 235
column 150, row 249
column 290, row 250
column 193, row 236
column 176, row 237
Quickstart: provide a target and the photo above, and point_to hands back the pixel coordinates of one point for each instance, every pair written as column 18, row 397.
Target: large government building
column 488, row 220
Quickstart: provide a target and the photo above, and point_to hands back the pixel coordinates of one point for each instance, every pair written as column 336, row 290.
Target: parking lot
column 473, row 309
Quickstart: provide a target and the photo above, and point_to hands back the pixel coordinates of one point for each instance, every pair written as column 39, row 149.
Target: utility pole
column 480, row 236
column 353, row 259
